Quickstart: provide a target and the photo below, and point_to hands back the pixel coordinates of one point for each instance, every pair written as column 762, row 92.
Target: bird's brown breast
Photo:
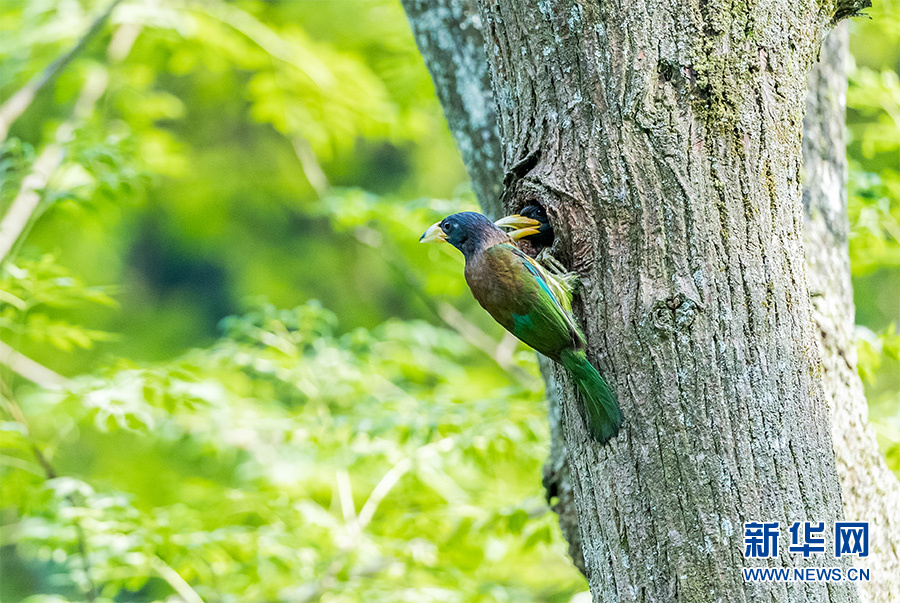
column 494, row 287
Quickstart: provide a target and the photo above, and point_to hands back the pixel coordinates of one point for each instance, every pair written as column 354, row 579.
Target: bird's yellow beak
column 521, row 226
column 433, row 234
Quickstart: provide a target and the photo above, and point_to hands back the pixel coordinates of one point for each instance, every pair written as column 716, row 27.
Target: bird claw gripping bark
column 557, row 270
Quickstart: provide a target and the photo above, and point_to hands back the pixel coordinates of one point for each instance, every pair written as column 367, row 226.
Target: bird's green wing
column 563, row 282
column 535, row 315
column 561, row 286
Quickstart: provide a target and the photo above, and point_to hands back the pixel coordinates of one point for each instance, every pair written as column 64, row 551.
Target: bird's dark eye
column 541, row 213
column 447, row 226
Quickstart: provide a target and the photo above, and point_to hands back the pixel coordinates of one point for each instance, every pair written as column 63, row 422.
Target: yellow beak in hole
column 521, row 226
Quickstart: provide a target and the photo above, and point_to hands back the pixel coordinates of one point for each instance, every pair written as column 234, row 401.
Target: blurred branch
column 12, row 461
column 382, row 488
column 500, row 352
column 279, row 49
column 174, row 579
column 90, row 589
column 18, row 416
column 367, row 513
column 314, row 173
column 392, row 476
column 19, row 214
column 29, row 369
column 23, row 206
column 13, row 108
column 345, row 493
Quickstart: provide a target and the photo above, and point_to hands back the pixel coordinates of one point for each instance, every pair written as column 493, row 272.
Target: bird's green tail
column 604, row 417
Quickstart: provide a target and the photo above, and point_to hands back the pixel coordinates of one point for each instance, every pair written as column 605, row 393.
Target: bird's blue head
column 468, row 231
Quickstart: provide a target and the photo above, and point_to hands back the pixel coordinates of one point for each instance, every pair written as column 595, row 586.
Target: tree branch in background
column 871, row 492
column 309, row 163
column 174, row 579
column 19, row 214
column 23, row 207
column 356, row 524
column 29, row 369
column 6, row 394
column 13, row 108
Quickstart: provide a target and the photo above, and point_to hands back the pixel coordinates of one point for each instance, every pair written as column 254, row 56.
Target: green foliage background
column 272, row 392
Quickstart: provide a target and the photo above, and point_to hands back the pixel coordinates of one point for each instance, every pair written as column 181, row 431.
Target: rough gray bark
column 870, row 490
column 448, row 32
column 679, row 92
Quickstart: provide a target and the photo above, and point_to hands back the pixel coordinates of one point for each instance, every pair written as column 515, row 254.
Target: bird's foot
column 549, row 262
column 555, row 267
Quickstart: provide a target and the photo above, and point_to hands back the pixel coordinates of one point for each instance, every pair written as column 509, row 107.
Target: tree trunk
column 870, row 490
column 665, row 142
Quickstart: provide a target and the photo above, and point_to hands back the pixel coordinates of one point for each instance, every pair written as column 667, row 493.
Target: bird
column 514, row 290
column 530, row 223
